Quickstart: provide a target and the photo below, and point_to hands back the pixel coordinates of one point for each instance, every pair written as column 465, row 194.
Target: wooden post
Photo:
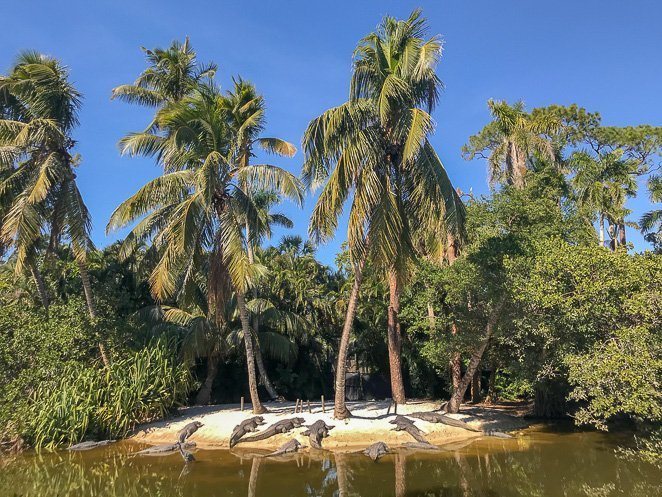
column 323, row 408
column 242, row 404
column 309, row 409
column 395, row 407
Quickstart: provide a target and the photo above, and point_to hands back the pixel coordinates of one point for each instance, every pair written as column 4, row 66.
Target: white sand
column 369, row 424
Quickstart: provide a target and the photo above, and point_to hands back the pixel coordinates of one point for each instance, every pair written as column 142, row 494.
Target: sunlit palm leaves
column 374, row 148
column 511, row 140
column 38, row 193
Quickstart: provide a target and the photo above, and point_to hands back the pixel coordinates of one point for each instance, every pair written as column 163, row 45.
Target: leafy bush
column 93, row 402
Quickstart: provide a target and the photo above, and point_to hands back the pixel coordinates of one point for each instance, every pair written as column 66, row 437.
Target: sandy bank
column 370, row 423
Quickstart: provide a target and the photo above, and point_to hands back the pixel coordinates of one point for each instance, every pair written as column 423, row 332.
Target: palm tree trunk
column 622, row 240
column 601, row 229
column 91, row 307
column 395, row 339
column 41, row 286
column 258, row 408
column 264, row 377
column 340, row 410
column 453, row 405
column 204, row 394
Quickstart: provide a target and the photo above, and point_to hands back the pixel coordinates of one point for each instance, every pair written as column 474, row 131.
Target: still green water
column 536, row 464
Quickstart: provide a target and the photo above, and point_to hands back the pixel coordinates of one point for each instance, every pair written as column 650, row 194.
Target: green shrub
column 88, row 402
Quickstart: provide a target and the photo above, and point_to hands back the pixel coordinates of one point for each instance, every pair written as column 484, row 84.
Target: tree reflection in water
column 576, row 464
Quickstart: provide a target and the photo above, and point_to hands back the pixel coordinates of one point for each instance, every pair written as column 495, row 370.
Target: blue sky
column 601, row 54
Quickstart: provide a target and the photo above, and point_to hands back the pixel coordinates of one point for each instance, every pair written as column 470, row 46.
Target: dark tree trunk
column 204, row 394
column 492, row 397
column 395, row 339
column 258, row 408
column 475, row 387
column 41, row 287
column 91, row 307
column 622, row 240
column 340, row 410
column 453, row 405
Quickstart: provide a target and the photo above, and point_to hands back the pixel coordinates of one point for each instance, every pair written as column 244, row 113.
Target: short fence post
column 323, row 408
column 309, row 408
column 242, row 404
column 395, row 408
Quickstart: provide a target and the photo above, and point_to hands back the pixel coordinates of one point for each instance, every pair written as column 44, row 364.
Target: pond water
column 535, row 464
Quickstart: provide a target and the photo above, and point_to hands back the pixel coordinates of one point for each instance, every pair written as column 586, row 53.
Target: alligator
column 186, row 455
column 246, row 426
column 167, row 448
column 376, row 450
column 420, row 446
column 317, row 432
column 282, row 426
column 288, row 447
column 405, row 424
column 90, row 445
column 188, row 430
column 435, row 417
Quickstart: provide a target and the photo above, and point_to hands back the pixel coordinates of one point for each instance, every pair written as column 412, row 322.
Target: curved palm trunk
column 41, row 286
column 453, row 405
column 340, row 410
column 264, row 376
column 204, row 394
column 91, row 307
column 395, row 339
column 258, row 408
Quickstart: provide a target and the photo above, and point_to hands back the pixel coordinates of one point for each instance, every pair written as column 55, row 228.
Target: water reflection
column 539, row 465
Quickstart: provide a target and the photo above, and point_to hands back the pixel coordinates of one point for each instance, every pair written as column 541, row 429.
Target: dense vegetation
column 530, row 293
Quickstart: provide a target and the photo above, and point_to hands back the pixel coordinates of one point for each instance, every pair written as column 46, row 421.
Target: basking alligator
column 186, row 455
column 90, row 445
column 288, row 447
column 405, row 424
column 282, row 426
column 376, row 450
column 188, row 430
column 246, row 426
column 435, row 417
column 316, row 432
column 166, row 448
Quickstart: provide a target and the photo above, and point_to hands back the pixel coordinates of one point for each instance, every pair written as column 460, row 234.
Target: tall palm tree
column 193, row 212
column 39, row 192
column 246, row 118
column 375, row 149
column 602, row 185
column 173, row 73
column 512, row 139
